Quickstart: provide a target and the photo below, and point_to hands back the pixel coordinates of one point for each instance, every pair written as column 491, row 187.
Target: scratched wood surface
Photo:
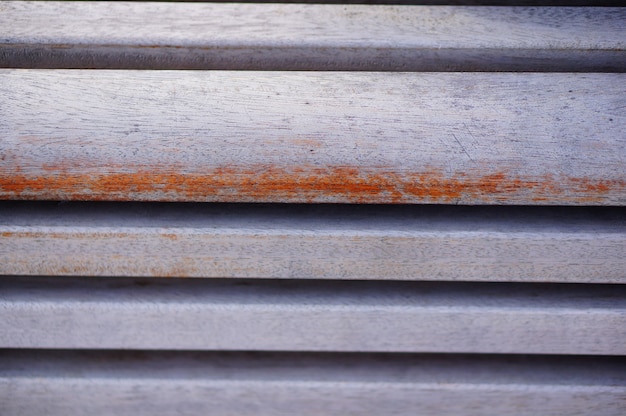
column 310, row 37
column 538, row 244
column 192, row 314
column 166, row 383
column 471, row 138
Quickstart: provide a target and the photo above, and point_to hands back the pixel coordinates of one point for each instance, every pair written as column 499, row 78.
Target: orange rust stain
column 303, row 184
column 601, row 186
column 6, row 234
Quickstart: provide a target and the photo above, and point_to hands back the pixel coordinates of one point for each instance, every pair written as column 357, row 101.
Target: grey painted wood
column 305, row 37
column 470, row 138
column 323, row 242
column 138, row 383
column 194, row 314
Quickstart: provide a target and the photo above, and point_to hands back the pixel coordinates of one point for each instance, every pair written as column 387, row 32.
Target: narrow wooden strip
column 306, row 37
column 137, row 383
column 195, row 314
column 559, row 3
column 313, row 137
column 323, row 242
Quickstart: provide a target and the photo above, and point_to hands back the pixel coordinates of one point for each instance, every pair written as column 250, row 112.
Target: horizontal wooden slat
column 193, row 314
column 470, row 138
column 137, row 383
column 305, row 37
column 560, row 3
column 322, row 242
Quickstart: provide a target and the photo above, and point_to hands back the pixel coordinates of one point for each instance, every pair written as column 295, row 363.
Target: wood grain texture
column 138, row 383
column 192, row 314
column 321, row 242
column 310, row 37
column 559, row 3
column 313, row 137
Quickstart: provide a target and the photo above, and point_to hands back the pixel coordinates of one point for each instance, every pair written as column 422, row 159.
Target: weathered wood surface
column 192, row 314
column 538, row 244
column 470, row 138
column 559, row 3
column 310, row 37
column 140, row 383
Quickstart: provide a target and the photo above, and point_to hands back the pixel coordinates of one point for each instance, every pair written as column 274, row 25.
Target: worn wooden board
column 310, row 37
column 323, row 242
column 192, row 314
column 560, row 3
column 470, row 138
column 139, row 383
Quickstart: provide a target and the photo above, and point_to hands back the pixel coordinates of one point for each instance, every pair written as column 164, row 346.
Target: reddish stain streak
column 304, row 184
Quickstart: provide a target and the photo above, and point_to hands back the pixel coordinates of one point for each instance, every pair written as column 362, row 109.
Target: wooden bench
column 385, row 209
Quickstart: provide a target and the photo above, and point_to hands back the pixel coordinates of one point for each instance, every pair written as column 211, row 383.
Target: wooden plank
column 322, row 242
column 310, row 37
column 138, row 383
column 470, row 138
column 560, row 3
column 192, row 314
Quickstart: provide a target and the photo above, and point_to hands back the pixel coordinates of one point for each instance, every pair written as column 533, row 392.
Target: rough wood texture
column 470, row 138
column 325, row 242
column 258, row 315
column 138, row 383
column 306, row 37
